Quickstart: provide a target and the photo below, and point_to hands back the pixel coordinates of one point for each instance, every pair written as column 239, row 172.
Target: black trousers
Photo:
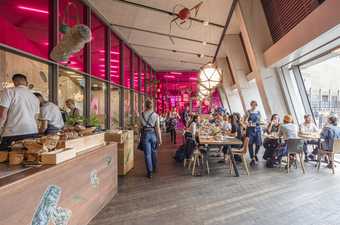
column 7, row 141
column 173, row 135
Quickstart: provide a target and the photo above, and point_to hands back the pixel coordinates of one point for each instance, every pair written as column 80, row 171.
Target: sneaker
column 252, row 162
column 149, row 175
column 256, row 158
column 311, row 157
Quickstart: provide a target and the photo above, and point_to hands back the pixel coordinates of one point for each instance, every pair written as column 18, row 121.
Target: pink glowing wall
column 24, row 25
column 115, row 60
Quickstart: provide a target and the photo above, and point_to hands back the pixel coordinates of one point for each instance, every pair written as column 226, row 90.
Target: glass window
column 322, row 85
column 135, row 108
column 35, row 71
column 97, row 48
column 142, row 76
column 71, row 12
column 115, row 60
column 127, row 66
column 24, row 25
column 135, row 68
column 97, row 104
column 114, row 105
column 295, row 96
column 71, row 85
column 127, row 109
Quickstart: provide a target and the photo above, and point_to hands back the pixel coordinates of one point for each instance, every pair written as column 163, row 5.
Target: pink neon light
column 176, row 73
column 169, row 76
column 192, row 78
column 112, row 60
column 32, row 9
column 112, row 52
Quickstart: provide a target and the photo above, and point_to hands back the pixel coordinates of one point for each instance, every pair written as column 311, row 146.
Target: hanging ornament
column 210, row 76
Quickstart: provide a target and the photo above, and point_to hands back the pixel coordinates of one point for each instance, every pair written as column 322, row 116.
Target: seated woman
column 226, row 125
column 270, row 144
column 330, row 133
column 236, row 131
column 288, row 130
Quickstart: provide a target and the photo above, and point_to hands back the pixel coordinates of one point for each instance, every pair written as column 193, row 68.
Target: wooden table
column 226, row 140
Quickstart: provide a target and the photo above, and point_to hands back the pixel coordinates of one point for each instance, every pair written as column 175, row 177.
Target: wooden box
column 84, row 143
column 126, row 154
column 118, row 136
column 58, row 156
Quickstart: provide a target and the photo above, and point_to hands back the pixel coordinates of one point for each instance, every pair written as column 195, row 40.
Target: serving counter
column 72, row 192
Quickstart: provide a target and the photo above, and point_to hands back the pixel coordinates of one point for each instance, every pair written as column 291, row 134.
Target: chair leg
column 301, row 162
column 194, row 166
column 245, row 163
column 319, row 161
column 332, row 158
column 288, row 163
column 208, row 168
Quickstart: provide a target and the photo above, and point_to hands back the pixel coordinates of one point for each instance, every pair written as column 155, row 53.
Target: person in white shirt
column 19, row 109
column 50, row 116
column 308, row 127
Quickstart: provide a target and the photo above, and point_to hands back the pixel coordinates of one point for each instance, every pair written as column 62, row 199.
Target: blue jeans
column 149, row 146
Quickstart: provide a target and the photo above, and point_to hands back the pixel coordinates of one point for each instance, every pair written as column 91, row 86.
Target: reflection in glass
column 97, row 104
column 71, row 85
column 36, row 72
column 114, row 104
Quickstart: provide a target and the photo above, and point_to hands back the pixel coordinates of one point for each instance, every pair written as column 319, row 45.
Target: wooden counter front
column 76, row 189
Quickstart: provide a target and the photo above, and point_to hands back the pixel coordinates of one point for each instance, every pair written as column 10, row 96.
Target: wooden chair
column 330, row 154
column 196, row 160
column 295, row 147
column 242, row 153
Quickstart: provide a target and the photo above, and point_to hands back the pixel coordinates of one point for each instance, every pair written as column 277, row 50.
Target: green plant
column 74, row 120
column 93, row 121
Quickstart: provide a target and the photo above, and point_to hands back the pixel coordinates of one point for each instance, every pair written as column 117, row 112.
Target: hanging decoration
column 74, row 38
column 209, row 78
column 182, row 18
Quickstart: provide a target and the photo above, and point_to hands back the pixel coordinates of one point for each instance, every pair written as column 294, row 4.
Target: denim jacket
column 329, row 133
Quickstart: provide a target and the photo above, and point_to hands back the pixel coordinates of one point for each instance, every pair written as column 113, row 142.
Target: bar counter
column 70, row 193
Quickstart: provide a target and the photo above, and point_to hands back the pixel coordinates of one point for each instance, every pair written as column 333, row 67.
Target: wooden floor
column 266, row 197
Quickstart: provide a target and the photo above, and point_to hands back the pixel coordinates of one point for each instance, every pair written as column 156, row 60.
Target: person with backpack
column 150, row 137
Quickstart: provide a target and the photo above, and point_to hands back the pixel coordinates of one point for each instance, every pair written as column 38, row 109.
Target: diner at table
column 308, row 128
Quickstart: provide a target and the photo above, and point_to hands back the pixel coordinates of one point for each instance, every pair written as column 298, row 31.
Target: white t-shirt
column 308, row 128
column 51, row 113
column 22, row 107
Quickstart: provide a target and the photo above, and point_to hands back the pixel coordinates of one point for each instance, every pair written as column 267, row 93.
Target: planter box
column 84, row 143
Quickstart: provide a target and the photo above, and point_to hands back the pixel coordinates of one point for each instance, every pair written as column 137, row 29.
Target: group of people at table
column 275, row 134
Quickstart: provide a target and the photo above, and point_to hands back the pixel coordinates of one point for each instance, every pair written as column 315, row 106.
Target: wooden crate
column 59, row 156
column 126, row 154
column 118, row 136
column 84, row 143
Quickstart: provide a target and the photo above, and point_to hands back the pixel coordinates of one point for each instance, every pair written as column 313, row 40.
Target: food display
column 49, row 149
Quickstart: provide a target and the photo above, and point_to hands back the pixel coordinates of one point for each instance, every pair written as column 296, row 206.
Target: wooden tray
column 58, row 156
column 84, row 143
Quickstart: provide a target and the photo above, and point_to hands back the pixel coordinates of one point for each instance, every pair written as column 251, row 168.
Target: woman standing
column 330, row 133
column 173, row 116
column 252, row 120
column 150, row 137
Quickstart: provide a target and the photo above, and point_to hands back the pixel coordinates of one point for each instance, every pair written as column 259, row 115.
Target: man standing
column 50, row 116
column 19, row 109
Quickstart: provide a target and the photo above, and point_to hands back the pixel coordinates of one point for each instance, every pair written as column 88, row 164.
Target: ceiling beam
column 173, row 60
column 231, row 11
column 162, row 34
column 171, row 50
column 166, row 12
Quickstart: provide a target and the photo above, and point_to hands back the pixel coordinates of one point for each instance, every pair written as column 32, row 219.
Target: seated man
column 50, row 115
column 308, row 128
column 328, row 134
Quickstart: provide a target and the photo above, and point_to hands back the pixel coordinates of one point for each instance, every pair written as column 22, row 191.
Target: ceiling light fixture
column 205, row 23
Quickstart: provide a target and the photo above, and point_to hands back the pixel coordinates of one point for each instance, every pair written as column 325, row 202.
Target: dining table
column 220, row 140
